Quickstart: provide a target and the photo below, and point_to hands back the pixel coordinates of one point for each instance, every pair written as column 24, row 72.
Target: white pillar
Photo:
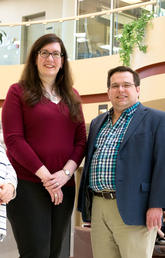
column 69, row 9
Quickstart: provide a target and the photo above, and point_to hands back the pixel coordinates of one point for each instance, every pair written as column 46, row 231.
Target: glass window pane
column 10, row 45
column 92, row 6
column 92, row 37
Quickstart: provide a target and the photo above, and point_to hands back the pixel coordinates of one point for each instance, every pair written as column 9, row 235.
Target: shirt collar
column 129, row 111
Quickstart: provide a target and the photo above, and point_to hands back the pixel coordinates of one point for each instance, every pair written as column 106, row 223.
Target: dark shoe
column 160, row 241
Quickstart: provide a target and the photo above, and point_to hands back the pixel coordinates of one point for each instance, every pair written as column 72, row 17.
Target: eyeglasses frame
column 50, row 53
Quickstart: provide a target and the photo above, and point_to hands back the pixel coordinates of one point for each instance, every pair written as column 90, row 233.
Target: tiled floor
column 8, row 247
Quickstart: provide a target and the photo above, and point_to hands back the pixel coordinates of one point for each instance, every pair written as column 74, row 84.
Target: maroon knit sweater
column 40, row 135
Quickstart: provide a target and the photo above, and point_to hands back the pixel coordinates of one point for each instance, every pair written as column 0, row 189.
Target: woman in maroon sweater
column 44, row 132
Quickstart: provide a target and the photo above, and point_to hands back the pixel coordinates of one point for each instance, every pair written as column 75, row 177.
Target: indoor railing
column 84, row 36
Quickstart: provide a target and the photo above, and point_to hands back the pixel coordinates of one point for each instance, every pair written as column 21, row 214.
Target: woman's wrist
column 67, row 173
column 69, row 168
column 43, row 173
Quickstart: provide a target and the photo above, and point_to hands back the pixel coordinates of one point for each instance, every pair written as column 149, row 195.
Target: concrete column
column 69, row 9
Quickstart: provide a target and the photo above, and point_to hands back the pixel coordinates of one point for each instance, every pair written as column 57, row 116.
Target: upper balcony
column 85, row 36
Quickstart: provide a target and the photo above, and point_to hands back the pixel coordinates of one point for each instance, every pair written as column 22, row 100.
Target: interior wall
column 9, row 74
column 155, row 41
column 90, row 78
column 153, row 88
column 92, row 110
column 11, row 11
column 90, row 75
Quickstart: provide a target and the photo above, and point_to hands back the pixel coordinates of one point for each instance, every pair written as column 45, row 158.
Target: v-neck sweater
column 40, row 135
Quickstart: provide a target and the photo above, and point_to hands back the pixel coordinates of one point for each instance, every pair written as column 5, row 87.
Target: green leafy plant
column 132, row 36
column 2, row 34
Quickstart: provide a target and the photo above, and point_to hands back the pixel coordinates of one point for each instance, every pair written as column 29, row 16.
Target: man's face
column 122, row 92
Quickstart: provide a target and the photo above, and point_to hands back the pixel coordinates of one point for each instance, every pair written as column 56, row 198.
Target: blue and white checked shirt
column 109, row 138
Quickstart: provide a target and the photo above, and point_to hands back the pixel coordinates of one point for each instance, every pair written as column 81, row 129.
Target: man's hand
column 154, row 218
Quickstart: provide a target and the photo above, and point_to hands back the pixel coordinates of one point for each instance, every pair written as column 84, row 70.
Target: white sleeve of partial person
column 3, row 205
column 10, row 174
column 11, row 177
column 2, row 221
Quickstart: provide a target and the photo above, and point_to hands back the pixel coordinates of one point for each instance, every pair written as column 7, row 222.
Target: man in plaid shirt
column 122, row 185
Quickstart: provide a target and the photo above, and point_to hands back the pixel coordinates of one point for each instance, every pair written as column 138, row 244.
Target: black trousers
column 38, row 225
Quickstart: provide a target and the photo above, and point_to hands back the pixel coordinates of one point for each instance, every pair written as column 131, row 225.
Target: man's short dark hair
column 120, row 69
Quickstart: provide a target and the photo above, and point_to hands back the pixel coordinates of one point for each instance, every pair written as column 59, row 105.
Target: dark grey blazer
column 140, row 168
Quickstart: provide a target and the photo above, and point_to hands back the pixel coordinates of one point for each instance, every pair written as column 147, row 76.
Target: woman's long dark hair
column 32, row 84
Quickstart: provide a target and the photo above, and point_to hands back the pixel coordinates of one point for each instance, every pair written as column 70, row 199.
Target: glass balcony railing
column 84, row 36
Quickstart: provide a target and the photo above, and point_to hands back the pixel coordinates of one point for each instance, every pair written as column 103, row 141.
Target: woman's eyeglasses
column 46, row 54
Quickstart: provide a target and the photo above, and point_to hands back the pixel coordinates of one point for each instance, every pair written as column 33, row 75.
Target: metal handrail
column 91, row 15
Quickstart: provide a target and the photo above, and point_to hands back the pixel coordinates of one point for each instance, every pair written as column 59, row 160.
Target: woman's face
column 49, row 65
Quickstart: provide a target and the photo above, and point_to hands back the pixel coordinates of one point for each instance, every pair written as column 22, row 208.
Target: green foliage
column 2, row 34
column 132, row 36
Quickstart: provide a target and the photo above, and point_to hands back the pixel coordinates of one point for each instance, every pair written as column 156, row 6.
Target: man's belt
column 106, row 194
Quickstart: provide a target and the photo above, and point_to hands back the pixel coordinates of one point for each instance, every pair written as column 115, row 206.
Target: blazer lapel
column 97, row 123
column 136, row 120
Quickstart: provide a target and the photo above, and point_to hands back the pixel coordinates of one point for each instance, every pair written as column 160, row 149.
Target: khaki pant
column 111, row 238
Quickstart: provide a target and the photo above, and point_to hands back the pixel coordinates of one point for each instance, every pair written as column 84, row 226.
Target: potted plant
column 132, row 36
